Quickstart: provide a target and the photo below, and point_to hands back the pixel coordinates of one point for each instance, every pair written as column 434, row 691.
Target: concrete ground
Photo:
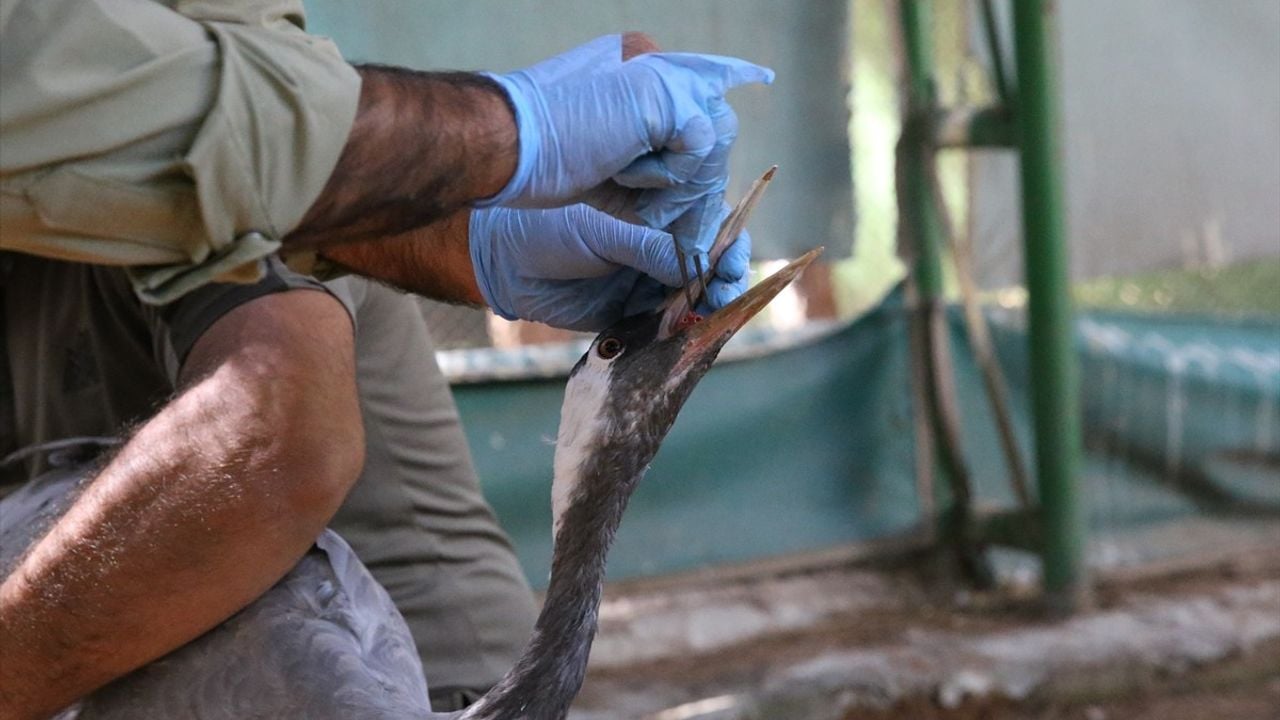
column 846, row 638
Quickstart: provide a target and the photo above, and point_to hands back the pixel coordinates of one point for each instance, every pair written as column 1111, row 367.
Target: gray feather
column 324, row 643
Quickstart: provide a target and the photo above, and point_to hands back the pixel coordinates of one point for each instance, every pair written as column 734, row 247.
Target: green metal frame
column 1025, row 120
column 922, row 227
column 926, row 229
column 1054, row 366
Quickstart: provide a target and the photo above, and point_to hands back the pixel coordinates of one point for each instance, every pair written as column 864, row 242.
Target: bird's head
column 624, row 394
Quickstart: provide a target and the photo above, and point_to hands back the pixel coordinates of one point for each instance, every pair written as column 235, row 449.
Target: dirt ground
column 1260, row 701
column 1237, row 689
column 1188, row 698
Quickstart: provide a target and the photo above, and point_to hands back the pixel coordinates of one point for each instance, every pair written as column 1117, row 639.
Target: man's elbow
column 317, row 447
column 323, row 461
column 278, row 375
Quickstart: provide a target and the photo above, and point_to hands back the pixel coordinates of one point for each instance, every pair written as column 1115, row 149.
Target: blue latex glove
column 646, row 140
column 698, row 224
column 601, row 55
column 732, row 273
column 572, row 267
column 580, row 269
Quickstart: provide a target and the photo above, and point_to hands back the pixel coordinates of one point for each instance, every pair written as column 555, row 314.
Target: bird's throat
column 549, row 674
column 599, row 484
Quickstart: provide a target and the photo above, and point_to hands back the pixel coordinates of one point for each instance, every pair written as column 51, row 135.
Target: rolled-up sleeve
column 183, row 140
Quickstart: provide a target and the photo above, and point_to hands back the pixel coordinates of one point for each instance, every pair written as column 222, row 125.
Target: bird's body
column 326, row 643
column 360, row 657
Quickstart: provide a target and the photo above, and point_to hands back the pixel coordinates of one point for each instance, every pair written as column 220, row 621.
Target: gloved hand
column 580, row 269
column 646, row 140
column 733, row 272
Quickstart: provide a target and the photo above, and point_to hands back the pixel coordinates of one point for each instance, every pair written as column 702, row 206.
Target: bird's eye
column 609, row 348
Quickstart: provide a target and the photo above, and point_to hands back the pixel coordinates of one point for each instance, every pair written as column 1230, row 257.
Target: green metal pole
column 922, row 222
column 920, row 227
column 1054, row 368
column 919, row 210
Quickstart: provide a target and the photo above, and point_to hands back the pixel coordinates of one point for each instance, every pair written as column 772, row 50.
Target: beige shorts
column 180, row 139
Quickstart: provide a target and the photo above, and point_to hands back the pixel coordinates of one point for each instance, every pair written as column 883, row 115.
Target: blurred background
column 1040, row 364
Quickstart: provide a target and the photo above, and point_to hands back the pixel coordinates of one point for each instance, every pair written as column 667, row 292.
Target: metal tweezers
column 684, row 278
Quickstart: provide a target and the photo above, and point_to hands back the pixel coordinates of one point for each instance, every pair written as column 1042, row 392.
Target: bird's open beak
column 708, row 336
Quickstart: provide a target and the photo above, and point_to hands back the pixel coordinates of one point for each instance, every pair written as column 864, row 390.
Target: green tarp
column 807, row 448
column 812, row 447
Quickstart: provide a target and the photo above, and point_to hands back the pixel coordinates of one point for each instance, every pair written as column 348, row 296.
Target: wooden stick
column 679, row 303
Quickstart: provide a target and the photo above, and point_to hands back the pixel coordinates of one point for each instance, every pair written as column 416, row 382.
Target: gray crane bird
column 326, row 643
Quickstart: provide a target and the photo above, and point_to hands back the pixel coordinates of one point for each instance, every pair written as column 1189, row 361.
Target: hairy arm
column 206, row 506
column 433, row 259
column 423, row 145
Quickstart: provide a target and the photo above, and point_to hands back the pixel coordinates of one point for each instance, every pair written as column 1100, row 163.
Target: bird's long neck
column 548, row 675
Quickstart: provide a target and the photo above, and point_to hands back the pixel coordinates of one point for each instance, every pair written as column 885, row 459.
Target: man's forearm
column 423, row 145
column 206, row 507
column 433, row 261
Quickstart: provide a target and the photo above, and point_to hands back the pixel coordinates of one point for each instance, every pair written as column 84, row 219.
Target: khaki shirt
column 87, row 358
column 183, row 139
